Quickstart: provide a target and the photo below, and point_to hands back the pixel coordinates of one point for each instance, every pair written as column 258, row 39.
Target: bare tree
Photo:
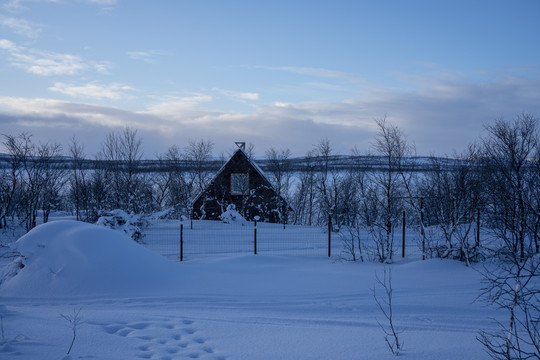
column 280, row 175
column 327, row 183
column 279, row 169
column 82, row 187
column 10, row 182
column 74, row 321
column 161, row 182
column 453, row 191
column 52, row 177
column 111, row 159
column 76, row 152
column 122, row 153
column 508, row 150
column 353, row 201
column 35, row 179
column 388, row 186
column 351, row 238
column 199, row 153
column 513, row 285
column 24, row 151
column 533, row 203
column 179, row 190
column 385, row 305
column 98, row 187
column 130, row 148
column 304, row 194
column 27, row 156
column 250, row 150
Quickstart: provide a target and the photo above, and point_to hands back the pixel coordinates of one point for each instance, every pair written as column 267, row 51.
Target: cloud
column 7, row 45
column 239, row 96
column 41, row 62
column 178, row 107
column 438, row 118
column 146, row 56
column 14, row 5
column 314, row 72
column 40, row 113
column 103, row 67
column 102, row 2
column 21, row 26
column 93, row 90
column 140, row 55
column 19, row 4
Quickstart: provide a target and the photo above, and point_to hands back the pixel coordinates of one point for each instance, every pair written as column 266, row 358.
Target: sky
column 281, row 74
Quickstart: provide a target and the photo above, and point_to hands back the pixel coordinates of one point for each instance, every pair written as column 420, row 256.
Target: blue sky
column 278, row 73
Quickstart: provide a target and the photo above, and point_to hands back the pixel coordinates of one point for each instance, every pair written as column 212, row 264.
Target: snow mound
column 231, row 216
column 69, row 258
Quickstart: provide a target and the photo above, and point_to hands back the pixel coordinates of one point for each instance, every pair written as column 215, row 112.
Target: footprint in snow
column 139, row 326
column 113, row 329
column 155, row 343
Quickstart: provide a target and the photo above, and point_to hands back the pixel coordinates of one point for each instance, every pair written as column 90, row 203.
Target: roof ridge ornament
column 240, row 144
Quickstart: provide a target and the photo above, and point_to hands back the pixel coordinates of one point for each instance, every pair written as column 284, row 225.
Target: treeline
column 493, row 182
column 40, row 178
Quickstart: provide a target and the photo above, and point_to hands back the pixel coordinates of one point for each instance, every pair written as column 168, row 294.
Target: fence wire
column 204, row 238
column 209, row 238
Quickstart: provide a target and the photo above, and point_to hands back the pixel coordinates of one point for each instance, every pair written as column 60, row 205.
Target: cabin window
column 239, row 184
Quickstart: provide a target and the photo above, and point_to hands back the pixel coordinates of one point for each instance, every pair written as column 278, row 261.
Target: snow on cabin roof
column 253, row 163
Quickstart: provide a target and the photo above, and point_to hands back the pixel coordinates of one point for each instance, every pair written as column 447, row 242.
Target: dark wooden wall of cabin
column 260, row 199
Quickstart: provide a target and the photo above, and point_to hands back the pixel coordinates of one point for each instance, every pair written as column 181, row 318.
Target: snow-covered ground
column 136, row 304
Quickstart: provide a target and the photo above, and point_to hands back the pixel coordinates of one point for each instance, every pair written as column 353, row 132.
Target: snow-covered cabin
column 241, row 182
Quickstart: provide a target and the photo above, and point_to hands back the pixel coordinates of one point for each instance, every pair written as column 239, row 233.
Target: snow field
column 138, row 305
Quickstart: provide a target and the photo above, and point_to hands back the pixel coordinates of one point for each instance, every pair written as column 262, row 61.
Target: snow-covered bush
column 231, row 216
column 130, row 224
column 172, row 213
column 12, row 268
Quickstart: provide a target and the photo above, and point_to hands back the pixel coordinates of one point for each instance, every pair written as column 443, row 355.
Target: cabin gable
column 241, row 182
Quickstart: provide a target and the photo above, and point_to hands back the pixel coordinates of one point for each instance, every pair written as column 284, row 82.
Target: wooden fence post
column 255, row 239
column 191, row 213
column 181, row 242
column 329, row 234
column 478, row 227
column 422, row 228
column 403, row 237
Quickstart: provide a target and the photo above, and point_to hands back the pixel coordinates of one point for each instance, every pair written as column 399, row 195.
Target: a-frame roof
column 239, row 152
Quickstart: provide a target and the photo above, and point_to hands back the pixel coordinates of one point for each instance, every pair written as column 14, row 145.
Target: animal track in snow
column 165, row 339
column 139, row 326
column 113, row 329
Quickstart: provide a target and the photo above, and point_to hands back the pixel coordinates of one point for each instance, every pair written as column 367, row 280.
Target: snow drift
column 73, row 258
